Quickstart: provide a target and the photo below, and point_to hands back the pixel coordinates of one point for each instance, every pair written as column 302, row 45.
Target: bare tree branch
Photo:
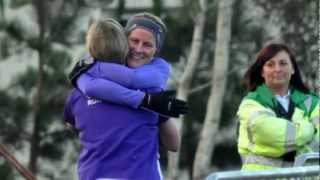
column 15, row 164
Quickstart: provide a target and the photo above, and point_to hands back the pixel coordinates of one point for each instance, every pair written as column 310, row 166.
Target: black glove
column 165, row 104
column 80, row 67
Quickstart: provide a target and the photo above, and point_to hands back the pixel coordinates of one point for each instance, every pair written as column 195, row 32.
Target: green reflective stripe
column 262, row 160
column 308, row 103
column 290, row 137
column 315, row 120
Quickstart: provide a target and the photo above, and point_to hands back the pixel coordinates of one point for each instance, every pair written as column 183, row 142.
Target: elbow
column 90, row 89
column 171, row 148
column 174, row 148
column 87, row 90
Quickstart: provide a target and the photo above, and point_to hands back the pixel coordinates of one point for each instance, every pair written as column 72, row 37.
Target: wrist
column 145, row 101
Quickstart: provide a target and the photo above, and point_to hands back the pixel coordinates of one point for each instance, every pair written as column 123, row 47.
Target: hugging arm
column 109, row 91
column 111, row 83
column 163, row 102
column 153, row 75
column 169, row 134
column 119, row 84
column 68, row 117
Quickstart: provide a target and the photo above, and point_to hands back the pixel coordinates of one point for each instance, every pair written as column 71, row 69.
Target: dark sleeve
column 162, row 119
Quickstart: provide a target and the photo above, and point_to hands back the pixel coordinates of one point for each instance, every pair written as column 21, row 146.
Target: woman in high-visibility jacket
column 279, row 117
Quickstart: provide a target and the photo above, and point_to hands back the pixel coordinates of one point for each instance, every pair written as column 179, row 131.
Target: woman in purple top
column 120, row 139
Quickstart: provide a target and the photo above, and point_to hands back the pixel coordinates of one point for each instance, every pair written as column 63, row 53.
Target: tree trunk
column 15, row 164
column 318, row 77
column 184, row 85
column 206, row 145
column 36, row 106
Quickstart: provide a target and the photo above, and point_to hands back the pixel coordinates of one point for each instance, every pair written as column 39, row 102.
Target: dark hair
column 253, row 76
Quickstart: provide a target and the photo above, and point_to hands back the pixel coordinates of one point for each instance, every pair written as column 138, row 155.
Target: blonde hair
column 107, row 41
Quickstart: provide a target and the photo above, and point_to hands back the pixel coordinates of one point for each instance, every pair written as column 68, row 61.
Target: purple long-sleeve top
column 119, row 84
column 117, row 141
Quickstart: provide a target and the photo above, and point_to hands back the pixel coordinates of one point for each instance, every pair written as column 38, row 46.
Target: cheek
column 132, row 64
column 131, row 47
column 263, row 73
column 291, row 70
column 147, row 60
column 151, row 53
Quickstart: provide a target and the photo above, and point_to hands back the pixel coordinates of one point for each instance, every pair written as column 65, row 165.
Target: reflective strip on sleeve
column 315, row 120
column 251, row 119
column 290, row 137
column 314, row 146
column 308, row 103
column 263, row 160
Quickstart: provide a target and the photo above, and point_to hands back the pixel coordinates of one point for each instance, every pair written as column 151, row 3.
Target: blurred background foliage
column 41, row 39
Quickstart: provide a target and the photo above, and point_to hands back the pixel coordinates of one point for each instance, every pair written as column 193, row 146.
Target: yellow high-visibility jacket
column 264, row 137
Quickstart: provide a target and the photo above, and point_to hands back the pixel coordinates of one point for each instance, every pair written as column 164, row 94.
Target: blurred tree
column 2, row 8
column 38, row 95
column 218, row 88
column 254, row 23
column 120, row 8
column 6, row 171
column 298, row 30
column 184, row 85
column 157, row 7
column 15, row 164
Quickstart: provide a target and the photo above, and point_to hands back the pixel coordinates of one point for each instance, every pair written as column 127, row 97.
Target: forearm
column 282, row 135
column 109, row 91
column 152, row 75
column 169, row 135
column 314, row 144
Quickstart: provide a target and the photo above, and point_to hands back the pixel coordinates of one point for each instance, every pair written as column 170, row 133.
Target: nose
column 277, row 67
column 138, row 47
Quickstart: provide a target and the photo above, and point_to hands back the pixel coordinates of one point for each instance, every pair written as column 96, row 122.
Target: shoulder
column 161, row 64
column 251, row 95
column 296, row 94
column 249, row 106
column 250, row 102
column 159, row 61
column 314, row 96
column 306, row 100
column 101, row 66
column 73, row 95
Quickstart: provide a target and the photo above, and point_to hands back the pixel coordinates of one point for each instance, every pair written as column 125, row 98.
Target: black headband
column 148, row 24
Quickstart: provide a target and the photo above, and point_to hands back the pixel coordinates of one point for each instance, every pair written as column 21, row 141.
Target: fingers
column 80, row 67
column 170, row 93
column 178, row 107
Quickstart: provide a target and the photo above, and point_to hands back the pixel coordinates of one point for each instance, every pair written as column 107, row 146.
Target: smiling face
column 142, row 47
column 277, row 71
